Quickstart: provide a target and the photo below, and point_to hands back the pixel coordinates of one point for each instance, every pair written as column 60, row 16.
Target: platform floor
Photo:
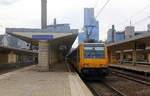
column 138, row 67
column 29, row 82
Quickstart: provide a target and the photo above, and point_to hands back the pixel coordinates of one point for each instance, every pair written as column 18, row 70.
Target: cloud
column 8, row 2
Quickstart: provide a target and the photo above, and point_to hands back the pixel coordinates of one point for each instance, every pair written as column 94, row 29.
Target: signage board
column 42, row 37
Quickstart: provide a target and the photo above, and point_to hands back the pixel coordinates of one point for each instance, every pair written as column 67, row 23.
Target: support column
column 51, row 66
column 121, row 57
column 134, row 55
column 111, row 56
column 43, row 57
column 148, row 57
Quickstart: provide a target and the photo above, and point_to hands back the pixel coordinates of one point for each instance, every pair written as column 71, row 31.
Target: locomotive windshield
column 94, row 51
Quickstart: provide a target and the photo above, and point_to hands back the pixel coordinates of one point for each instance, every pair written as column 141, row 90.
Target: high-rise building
column 129, row 32
column 111, row 35
column 119, row 36
column 91, row 26
column 148, row 27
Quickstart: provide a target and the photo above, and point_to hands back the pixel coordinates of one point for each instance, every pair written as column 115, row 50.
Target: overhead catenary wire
column 100, row 11
column 141, row 20
column 135, row 14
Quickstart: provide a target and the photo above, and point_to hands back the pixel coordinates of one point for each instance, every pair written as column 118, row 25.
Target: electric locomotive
column 90, row 59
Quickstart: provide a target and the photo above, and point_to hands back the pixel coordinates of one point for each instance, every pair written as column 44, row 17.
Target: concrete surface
column 29, row 82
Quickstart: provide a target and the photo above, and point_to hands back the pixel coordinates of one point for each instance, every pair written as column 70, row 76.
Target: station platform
column 30, row 82
column 137, row 68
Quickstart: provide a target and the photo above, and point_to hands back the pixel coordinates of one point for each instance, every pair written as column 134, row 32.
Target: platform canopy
column 55, row 37
column 6, row 49
column 142, row 41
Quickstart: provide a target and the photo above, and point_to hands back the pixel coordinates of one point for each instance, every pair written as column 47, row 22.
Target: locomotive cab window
column 94, row 51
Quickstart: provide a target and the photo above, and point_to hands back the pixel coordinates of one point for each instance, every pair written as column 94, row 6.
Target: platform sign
column 42, row 37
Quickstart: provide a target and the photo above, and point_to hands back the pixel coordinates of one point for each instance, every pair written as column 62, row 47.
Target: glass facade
column 119, row 37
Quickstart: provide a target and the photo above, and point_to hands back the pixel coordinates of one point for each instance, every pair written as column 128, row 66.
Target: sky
column 26, row 13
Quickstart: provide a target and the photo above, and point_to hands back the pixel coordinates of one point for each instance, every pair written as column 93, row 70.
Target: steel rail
column 108, row 86
column 119, row 93
column 131, row 77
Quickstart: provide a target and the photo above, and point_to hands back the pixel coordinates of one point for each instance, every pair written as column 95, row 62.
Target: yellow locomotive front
column 93, row 59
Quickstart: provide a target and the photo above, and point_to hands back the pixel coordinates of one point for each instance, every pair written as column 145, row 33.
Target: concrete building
column 118, row 36
column 110, row 35
column 132, row 32
column 129, row 32
column 91, row 25
column 62, row 27
column 148, row 27
column 59, row 27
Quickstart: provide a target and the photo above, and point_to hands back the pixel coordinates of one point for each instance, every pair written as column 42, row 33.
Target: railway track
column 121, row 83
column 117, row 92
column 103, row 89
column 131, row 76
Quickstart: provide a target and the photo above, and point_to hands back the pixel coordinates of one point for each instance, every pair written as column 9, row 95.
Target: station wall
column 3, row 58
column 8, row 58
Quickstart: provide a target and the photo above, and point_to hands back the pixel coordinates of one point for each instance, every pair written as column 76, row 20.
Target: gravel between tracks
column 128, row 87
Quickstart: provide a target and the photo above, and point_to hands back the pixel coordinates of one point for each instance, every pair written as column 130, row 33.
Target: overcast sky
column 26, row 13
